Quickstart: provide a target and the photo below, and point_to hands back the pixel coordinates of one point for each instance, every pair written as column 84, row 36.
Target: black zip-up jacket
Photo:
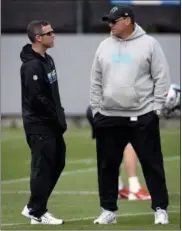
column 41, row 106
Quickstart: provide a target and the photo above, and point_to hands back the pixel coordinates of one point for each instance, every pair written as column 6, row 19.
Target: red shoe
column 123, row 193
column 142, row 194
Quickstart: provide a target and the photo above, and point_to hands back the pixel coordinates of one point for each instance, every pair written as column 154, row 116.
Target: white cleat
column 106, row 217
column 46, row 219
column 25, row 212
column 161, row 216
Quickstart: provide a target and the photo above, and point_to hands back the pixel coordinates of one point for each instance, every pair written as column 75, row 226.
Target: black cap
column 118, row 12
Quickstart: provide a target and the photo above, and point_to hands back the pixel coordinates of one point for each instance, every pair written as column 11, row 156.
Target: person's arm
column 96, row 85
column 160, row 74
column 33, row 80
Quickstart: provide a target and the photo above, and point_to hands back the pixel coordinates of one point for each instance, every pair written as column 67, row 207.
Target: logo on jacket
column 124, row 58
column 35, row 77
column 52, row 76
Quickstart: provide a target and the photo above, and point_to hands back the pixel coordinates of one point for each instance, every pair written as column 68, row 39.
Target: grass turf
column 75, row 197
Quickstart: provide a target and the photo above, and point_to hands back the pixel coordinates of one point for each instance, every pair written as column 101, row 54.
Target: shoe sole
column 97, row 223
column 39, row 223
column 161, row 223
column 25, row 215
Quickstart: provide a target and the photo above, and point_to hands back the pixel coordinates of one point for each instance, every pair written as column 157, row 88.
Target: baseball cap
column 118, row 12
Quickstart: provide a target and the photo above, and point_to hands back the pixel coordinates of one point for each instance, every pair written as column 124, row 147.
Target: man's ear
column 38, row 38
column 128, row 21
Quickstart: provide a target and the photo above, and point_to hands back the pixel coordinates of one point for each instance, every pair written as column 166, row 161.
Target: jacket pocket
column 123, row 97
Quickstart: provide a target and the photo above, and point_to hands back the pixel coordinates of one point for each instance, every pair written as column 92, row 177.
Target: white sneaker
column 161, row 216
column 46, row 219
column 106, row 217
column 25, row 212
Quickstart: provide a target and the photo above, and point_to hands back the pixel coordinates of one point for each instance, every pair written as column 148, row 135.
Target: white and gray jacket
column 129, row 77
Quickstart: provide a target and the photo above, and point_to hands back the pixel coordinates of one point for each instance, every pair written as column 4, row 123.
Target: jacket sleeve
column 33, row 80
column 160, row 74
column 96, row 85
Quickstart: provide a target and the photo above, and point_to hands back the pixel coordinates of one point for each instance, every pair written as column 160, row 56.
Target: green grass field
column 75, row 197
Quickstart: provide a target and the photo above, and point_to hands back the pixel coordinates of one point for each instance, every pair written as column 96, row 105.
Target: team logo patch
column 35, row 77
column 52, row 76
column 114, row 9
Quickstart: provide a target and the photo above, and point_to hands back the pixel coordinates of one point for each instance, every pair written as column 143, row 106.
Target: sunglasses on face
column 50, row 33
column 114, row 21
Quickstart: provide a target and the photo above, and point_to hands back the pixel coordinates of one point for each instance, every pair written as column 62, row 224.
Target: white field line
column 53, row 193
column 65, row 192
column 91, row 160
column 79, row 161
column 76, row 133
column 90, row 218
column 167, row 159
column 7, row 137
column 63, row 174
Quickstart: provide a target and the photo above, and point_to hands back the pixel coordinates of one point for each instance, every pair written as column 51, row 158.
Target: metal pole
column 79, row 12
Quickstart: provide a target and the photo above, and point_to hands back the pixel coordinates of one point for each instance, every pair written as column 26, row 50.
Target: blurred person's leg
column 130, row 165
column 136, row 191
column 123, row 191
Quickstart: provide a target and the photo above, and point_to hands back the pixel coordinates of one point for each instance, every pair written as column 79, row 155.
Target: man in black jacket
column 43, row 119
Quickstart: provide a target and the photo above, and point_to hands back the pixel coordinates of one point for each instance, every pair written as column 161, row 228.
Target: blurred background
column 79, row 30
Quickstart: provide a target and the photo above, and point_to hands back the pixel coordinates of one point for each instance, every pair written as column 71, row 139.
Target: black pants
column 47, row 163
column 112, row 135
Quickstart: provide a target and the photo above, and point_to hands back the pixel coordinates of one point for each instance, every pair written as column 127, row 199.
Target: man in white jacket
column 129, row 85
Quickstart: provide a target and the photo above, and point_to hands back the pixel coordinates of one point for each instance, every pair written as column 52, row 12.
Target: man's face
column 46, row 38
column 118, row 26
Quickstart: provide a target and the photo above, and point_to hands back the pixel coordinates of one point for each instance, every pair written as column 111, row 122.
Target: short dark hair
column 35, row 28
